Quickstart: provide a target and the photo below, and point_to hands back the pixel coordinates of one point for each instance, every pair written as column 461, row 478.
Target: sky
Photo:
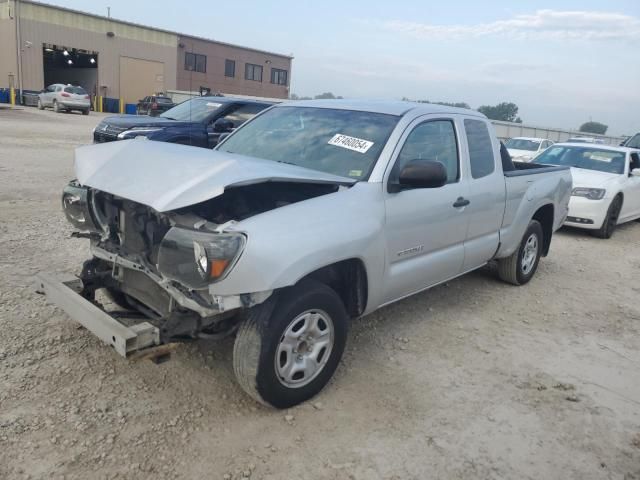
column 563, row 62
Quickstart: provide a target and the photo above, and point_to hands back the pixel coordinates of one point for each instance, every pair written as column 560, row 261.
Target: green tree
column 293, row 96
column 594, row 127
column 505, row 111
column 326, row 95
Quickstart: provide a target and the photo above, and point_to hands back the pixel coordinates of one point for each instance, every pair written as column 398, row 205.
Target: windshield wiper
column 288, row 163
column 169, row 118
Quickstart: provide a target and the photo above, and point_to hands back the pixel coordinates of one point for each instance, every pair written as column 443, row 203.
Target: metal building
column 121, row 62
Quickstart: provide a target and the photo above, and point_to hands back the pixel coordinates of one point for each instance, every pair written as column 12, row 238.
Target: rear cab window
column 163, row 100
column 481, row 156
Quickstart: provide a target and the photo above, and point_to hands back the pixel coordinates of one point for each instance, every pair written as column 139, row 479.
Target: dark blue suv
column 199, row 121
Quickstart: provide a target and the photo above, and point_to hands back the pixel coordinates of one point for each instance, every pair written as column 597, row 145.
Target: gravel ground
column 472, row 379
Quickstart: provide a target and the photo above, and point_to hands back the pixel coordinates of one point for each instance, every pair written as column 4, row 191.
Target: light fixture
column 48, row 49
column 65, row 53
column 92, row 60
column 70, row 62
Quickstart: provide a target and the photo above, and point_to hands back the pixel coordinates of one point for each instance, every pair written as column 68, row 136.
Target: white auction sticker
column 350, row 143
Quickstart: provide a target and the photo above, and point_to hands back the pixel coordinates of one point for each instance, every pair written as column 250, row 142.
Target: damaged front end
column 164, row 265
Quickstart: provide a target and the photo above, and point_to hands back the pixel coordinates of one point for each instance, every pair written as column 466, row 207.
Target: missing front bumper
column 63, row 291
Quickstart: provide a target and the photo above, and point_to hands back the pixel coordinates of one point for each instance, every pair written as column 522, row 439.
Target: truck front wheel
column 288, row 347
column 520, row 267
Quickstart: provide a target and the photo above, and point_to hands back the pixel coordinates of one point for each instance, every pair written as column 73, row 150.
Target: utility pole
column 108, row 12
column 19, row 47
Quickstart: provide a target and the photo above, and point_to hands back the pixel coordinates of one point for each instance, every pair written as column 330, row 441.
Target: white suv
column 64, row 98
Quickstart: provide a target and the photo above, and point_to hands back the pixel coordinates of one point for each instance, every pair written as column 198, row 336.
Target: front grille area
column 106, row 133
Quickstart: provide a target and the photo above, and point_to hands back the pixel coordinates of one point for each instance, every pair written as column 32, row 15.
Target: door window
column 242, row 113
column 635, row 161
column 434, row 140
column 480, row 148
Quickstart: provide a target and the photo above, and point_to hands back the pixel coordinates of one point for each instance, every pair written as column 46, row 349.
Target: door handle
column 461, row 202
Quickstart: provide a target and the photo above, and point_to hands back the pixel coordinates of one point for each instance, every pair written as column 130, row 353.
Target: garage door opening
column 70, row 66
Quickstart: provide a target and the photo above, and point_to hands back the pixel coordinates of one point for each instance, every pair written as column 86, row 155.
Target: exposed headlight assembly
column 137, row 132
column 197, row 259
column 75, row 204
column 590, row 193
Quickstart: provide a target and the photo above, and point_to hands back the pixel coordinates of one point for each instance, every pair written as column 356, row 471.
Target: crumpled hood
column 167, row 176
column 583, row 177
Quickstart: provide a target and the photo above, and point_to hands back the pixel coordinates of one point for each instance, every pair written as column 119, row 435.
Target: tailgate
column 63, row 291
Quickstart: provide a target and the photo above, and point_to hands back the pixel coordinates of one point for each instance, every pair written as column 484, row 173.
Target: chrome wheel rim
column 529, row 254
column 304, row 348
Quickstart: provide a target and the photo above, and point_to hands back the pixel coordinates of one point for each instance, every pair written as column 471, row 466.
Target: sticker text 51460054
column 351, row 143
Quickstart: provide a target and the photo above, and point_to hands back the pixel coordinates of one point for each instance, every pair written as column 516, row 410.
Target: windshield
column 340, row 142
column 76, row 90
column 194, row 110
column 522, row 144
column 584, row 157
column 634, row 142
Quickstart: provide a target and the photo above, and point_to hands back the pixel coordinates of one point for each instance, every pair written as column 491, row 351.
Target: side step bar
column 63, row 291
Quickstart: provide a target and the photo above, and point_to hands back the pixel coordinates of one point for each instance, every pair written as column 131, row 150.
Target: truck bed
column 523, row 168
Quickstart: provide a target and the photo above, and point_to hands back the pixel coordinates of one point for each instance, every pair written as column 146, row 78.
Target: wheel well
column 544, row 215
column 348, row 279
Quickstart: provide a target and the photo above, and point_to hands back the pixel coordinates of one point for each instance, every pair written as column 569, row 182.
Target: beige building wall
column 43, row 24
column 8, row 61
column 139, row 78
column 215, row 78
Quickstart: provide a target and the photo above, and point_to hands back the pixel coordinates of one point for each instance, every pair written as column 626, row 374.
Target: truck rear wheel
column 288, row 347
column 520, row 267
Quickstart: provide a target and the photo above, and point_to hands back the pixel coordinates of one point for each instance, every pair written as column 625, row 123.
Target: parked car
column 154, row 105
column 310, row 215
column 64, row 98
column 606, row 185
column 524, row 149
column 585, row 140
column 199, row 121
column 632, row 142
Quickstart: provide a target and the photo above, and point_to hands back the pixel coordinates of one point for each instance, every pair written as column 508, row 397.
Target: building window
column 229, row 68
column 195, row 62
column 253, row 72
column 279, row 77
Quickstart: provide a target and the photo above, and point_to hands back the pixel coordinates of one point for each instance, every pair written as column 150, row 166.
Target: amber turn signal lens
column 217, row 267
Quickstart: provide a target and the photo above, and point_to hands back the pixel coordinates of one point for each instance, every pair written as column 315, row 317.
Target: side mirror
column 423, row 174
column 221, row 125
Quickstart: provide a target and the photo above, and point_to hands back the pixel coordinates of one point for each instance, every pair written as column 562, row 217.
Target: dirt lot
column 473, row 379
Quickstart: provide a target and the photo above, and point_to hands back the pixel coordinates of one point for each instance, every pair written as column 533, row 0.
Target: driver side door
column 425, row 228
column 631, row 204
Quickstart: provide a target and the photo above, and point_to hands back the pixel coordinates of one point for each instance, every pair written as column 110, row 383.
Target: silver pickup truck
column 308, row 216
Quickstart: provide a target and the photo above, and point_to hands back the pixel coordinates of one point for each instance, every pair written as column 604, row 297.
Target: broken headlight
column 197, row 259
column 75, row 203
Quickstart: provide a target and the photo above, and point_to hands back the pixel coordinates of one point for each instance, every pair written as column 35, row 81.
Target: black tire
column 611, row 220
column 512, row 269
column 85, row 111
column 261, row 332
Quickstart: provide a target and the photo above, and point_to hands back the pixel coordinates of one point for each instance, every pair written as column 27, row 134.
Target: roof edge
column 157, row 29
